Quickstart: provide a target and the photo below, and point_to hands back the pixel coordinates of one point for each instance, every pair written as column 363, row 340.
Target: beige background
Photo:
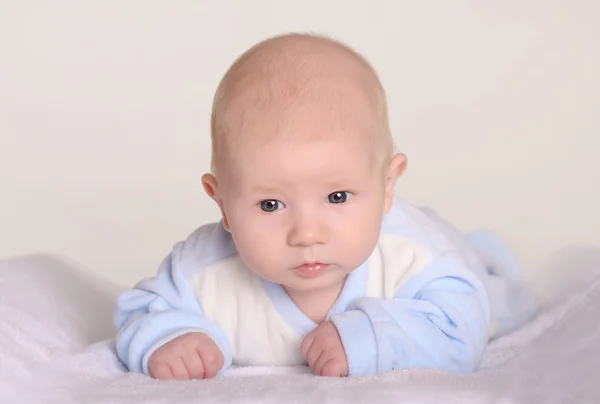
column 104, row 116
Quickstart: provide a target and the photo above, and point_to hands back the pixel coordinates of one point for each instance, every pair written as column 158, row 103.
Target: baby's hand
column 324, row 352
column 190, row 356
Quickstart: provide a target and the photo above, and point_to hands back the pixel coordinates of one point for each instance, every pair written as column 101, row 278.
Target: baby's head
column 303, row 168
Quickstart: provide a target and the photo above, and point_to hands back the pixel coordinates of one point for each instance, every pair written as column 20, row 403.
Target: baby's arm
column 439, row 319
column 160, row 309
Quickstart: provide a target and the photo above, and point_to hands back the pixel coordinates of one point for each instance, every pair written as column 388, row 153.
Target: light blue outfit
column 428, row 297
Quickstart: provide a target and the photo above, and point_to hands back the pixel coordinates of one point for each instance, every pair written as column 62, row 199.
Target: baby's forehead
column 333, row 142
column 287, row 162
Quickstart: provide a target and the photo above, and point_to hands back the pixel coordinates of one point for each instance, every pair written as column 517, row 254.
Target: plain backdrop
column 104, row 116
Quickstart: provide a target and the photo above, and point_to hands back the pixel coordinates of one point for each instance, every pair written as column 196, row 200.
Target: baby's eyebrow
column 265, row 189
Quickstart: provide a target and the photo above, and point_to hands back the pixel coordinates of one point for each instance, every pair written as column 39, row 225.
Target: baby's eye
column 271, row 205
column 339, row 197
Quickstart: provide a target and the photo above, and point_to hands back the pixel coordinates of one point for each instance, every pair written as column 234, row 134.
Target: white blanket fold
column 56, row 347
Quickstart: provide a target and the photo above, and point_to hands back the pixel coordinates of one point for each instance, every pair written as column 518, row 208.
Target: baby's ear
column 209, row 182
column 396, row 169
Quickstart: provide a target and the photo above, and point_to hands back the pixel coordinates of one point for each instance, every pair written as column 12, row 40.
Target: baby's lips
column 310, row 270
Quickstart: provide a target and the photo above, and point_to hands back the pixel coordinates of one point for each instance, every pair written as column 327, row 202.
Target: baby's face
column 306, row 213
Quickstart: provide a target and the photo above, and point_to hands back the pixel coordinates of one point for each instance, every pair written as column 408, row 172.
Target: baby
column 315, row 261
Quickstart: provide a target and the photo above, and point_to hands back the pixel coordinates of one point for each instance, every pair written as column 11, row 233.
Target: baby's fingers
column 212, row 359
column 315, row 354
column 194, row 365
column 179, row 369
column 333, row 368
column 307, row 344
column 160, row 370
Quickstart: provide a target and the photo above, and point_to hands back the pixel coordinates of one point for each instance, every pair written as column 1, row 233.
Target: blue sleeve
column 160, row 309
column 439, row 319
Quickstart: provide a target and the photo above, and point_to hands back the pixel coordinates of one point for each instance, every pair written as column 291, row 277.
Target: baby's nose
column 307, row 232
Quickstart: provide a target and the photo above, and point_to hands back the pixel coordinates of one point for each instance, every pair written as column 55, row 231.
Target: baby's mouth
column 311, row 270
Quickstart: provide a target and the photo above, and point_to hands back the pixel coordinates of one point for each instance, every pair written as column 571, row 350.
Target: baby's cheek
column 259, row 251
column 362, row 240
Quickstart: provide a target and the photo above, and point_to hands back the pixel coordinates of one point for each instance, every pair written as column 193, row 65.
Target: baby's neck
column 315, row 304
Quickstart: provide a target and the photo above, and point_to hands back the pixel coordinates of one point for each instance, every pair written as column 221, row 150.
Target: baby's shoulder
column 413, row 239
column 417, row 226
column 206, row 246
